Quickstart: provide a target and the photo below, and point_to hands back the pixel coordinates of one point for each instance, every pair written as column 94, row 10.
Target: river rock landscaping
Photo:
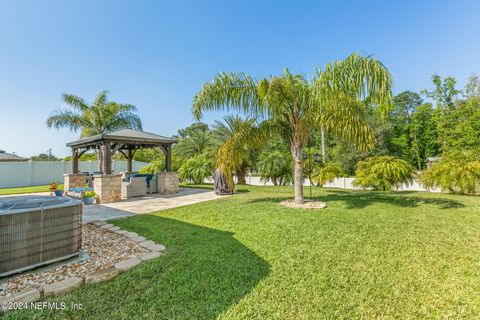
column 108, row 251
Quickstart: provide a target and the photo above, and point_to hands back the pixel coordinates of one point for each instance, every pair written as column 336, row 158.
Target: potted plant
column 59, row 191
column 54, row 187
column 89, row 197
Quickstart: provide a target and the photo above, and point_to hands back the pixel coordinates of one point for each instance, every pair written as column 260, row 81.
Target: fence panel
column 35, row 173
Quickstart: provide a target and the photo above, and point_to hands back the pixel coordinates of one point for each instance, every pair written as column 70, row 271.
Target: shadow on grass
column 201, row 275
column 209, row 186
column 363, row 199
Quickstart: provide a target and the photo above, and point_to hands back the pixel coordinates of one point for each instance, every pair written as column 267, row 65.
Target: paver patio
column 149, row 203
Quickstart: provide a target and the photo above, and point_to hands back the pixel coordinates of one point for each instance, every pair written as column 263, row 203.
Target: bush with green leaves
column 196, row 169
column 276, row 166
column 327, row 173
column 383, row 173
column 457, row 172
column 154, row 167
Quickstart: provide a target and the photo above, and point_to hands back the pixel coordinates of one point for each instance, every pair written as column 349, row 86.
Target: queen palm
column 333, row 99
column 102, row 116
column 236, row 138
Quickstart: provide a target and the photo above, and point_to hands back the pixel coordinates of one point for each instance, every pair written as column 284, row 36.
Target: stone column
column 108, row 187
column 168, row 183
column 72, row 180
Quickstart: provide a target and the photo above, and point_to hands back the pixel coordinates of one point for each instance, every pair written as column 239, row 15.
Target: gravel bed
column 104, row 248
column 308, row 204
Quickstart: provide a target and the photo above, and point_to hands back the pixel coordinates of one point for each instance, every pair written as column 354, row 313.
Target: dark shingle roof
column 125, row 135
column 10, row 157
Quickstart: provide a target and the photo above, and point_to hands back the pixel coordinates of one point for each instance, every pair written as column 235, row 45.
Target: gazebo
column 126, row 142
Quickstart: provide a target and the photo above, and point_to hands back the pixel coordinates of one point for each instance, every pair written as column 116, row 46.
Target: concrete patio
column 149, row 203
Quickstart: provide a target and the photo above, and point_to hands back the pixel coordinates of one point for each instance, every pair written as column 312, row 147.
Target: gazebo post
column 107, row 158
column 74, row 161
column 129, row 160
column 168, row 158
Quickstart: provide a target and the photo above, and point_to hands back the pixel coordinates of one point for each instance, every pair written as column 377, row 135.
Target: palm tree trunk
column 241, row 173
column 297, row 155
column 324, row 153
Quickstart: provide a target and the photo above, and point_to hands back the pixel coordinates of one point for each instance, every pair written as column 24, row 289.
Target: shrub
column 383, row 173
column 154, row 167
column 275, row 166
column 327, row 173
column 195, row 169
column 457, row 172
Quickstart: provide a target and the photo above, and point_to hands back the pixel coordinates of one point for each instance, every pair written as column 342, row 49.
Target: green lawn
column 20, row 190
column 368, row 255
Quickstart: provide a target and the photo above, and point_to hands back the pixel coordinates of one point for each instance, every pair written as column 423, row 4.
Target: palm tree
column 102, row 116
column 333, row 100
column 193, row 141
column 383, row 173
column 236, row 139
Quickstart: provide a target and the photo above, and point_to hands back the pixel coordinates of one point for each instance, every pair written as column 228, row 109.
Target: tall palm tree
column 102, row 116
column 333, row 100
column 236, row 138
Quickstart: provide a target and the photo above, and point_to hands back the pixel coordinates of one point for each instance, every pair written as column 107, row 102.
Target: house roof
column 129, row 136
column 10, row 157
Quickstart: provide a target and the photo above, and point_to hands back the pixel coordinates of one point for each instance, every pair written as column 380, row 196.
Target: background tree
column 295, row 105
column 275, row 163
column 196, row 169
column 237, row 140
column 472, row 88
column 49, row 156
column 444, row 92
column 422, row 135
column 193, row 141
column 102, row 116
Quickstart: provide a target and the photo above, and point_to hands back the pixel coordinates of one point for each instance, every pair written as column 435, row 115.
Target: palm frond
column 65, row 118
column 359, row 77
column 75, row 101
column 228, row 91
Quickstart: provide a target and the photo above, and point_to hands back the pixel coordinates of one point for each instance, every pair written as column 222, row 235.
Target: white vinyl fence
column 36, row 173
column 341, row 183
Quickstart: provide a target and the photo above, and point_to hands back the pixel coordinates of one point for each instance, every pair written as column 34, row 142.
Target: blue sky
column 156, row 54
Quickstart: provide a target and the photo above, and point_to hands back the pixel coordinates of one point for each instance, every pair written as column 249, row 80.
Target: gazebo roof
column 126, row 136
column 10, row 157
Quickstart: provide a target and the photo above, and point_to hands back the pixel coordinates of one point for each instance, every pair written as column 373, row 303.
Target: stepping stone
column 149, row 256
column 147, row 243
column 101, row 275
column 98, row 223
column 114, row 228
column 106, row 226
column 138, row 239
column 131, row 234
column 155, row 247
column 26, row 296
column 121, row 231
column 62, row 287
column 125, row 265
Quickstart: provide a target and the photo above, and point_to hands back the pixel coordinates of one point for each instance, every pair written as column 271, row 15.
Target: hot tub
column 37, row 230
